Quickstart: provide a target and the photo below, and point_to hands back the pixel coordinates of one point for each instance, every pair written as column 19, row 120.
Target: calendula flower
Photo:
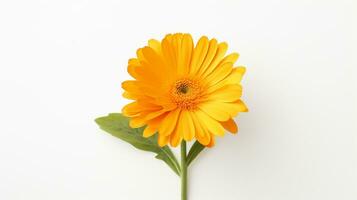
column 184, row 91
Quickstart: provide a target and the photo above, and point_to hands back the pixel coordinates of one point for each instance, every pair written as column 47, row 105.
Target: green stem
column 183, row 171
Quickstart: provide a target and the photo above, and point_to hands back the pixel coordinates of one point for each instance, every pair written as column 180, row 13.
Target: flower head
column 182, row 91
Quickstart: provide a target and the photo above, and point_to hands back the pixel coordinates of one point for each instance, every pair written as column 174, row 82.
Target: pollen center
column 186, row 93
column 183, row 89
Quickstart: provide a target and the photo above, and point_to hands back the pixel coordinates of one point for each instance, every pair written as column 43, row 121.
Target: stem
column 183, row 171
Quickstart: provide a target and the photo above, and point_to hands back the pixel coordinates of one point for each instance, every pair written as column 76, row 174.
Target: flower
column 182, row 91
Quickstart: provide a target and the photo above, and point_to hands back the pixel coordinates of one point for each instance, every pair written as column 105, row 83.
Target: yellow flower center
column 186, row 93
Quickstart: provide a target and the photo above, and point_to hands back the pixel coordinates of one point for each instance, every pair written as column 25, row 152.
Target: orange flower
column 182, row 91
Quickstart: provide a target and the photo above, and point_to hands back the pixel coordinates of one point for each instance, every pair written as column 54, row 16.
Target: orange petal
column 131, row 86
column 184, row 55
column 230, row 126
column 156, row 45
column 130, row 96
column 170, row 122
column 209, row 57
column 169, row 54
column 163, row 140
column 221, row 50
column 186, row 125
column 221, row 72
column 228, row 93
column 175, row 138
column 132, row 65
column 236, row 75
column 137, row 122
column 199, row 54
column 153, row 114
column 212, row 142
column 233, row 57
column 212, row 125
column 153, row 125
column 131, row 109
column 215, row 111
column 149, row 131
column 202, row 134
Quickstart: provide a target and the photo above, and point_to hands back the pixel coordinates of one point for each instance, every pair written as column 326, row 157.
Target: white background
column 62, row 63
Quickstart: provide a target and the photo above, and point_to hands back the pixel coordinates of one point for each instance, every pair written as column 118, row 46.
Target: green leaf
column 194, row 151
column 118, row 125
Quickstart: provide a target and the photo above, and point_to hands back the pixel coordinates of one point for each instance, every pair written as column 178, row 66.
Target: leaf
column 194, row 151
column 118, row 125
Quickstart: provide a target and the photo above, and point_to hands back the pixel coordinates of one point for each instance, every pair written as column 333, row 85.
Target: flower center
column 186, row 93
column 183, row 89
